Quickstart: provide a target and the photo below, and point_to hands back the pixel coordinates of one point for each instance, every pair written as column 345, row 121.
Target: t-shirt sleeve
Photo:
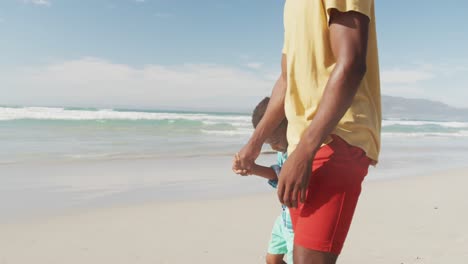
column 274, row 183
column 285, row 43
column 280, row 158
column 362, row 6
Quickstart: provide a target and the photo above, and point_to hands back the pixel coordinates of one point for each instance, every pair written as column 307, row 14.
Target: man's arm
column 273, row 116
column 348, row 36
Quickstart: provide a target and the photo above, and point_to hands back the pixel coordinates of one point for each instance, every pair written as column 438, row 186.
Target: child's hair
column 259, row 112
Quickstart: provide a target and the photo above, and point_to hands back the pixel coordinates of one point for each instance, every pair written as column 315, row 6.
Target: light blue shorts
column 282, row 240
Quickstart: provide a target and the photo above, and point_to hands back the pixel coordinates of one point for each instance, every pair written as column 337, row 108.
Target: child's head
column 277, row 140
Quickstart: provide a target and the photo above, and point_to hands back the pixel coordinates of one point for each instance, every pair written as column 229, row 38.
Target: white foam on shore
column 51, row 113
column 56, row 113
column 423, row 123
column 425, row 134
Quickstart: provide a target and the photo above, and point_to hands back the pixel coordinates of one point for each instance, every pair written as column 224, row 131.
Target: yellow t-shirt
column 310, row 62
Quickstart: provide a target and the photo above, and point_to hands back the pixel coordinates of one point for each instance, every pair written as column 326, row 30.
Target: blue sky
column 207, row 54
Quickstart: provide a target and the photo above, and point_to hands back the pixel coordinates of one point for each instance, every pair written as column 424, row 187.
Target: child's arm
column 262, row 171
column 265, row 172
column 270, row 173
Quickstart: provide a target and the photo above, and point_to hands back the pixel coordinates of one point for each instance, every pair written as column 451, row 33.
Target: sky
column 204, row 54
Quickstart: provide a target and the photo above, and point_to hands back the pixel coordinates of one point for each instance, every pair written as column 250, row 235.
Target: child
column 282, row 236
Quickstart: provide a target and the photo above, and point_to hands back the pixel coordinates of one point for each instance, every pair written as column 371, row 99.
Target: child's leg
column 275, row 258
column 277, row 246
column 289, row 238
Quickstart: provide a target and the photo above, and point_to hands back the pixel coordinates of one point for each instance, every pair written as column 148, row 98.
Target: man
column 329, row 91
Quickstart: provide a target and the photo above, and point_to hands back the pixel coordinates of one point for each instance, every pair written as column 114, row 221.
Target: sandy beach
column 420, row 219
column 120, row 122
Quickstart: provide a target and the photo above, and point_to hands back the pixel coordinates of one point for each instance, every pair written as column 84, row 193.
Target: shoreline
column 45, row 189
column 410, row 220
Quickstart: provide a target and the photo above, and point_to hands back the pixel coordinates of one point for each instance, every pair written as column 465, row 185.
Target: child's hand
column 236, row 167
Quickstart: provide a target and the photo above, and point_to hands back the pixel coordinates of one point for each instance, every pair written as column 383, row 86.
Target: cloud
column 38, row 2
column 431, row 81
column 408, row 91
column 446, row 69
column 98, row 82
column 101, row 83
column 399, row 76
column 406, row 82
column 140, row 1
column 421, row 72
column 254, row 65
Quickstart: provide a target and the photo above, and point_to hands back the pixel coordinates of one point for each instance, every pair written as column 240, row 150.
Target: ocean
column 62, row 158
column 43, row 133
column 37, row 133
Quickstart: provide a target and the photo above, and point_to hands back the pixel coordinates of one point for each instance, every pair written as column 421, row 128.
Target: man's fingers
column 287, row 195
column 304, row 187
column 294, row 196
column 238, row 161
column 244, row 162
column 234, row 165
column 241, row 162
column 238, row 167
column 303, row 191
column 241, row 172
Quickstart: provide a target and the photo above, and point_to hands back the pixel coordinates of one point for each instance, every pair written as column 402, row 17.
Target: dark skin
column 348, row 35
column 278, row 142
column 348, row 38
column 272, row 118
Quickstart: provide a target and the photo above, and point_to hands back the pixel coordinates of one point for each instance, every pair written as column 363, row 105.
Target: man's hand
column 294, row 178
column 272, row 118
column 237, row 168
column 246, row 157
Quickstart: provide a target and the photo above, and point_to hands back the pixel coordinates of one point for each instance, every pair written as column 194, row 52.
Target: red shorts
column 322, row 222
